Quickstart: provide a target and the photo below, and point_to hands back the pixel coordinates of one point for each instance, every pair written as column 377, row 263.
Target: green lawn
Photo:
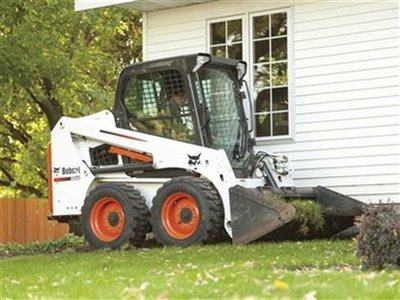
column 306, row 270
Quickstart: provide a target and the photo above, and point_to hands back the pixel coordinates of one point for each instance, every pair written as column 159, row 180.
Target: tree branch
column 23, row 188
column 18, row 186
column 17, row 133
column 51, row 107
column 42, row 175
column 8, row 159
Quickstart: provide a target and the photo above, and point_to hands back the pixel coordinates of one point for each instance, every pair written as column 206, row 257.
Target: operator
column 177, row 101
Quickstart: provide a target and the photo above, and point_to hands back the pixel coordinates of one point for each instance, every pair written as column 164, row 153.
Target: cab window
column 157, row 103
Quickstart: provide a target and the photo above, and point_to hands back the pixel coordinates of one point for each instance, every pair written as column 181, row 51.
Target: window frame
column 290, row 84
column 227, row 19
column 248, row 55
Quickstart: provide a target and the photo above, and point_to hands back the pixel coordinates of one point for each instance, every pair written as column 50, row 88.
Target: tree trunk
column 53, row 111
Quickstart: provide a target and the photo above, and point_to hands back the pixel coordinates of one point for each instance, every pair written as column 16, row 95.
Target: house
column 325, row 78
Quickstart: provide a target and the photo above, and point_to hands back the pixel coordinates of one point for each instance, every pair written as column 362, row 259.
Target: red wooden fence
column 25, row 220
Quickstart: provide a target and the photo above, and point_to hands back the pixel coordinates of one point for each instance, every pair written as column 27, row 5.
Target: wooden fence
column 25, row 220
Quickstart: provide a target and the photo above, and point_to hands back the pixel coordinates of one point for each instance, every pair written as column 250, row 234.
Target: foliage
column 54, row 61
column 309, row 215
column 69, row 243
column 379, row 237
column 301, row 270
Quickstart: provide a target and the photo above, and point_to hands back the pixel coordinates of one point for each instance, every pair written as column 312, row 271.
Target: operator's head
column 175, row 87
column 179, row 98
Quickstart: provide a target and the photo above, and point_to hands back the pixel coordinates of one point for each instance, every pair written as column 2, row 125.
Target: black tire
column 113, row 214
column 187, row 211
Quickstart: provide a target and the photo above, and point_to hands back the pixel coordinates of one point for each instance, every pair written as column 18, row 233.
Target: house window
column 268, row 64
column 226, row 39
column 269, row 46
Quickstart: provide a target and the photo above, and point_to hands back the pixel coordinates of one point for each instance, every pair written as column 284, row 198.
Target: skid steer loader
column 176, row 157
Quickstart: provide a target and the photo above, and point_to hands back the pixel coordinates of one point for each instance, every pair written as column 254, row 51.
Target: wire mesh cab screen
column 218, row 90
column 157, row 103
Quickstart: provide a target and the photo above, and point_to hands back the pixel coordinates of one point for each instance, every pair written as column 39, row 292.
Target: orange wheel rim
column 180, row 215
column 107, row 219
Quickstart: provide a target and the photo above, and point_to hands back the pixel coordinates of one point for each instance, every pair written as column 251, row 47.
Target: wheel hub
column 113, row 219
column 186, row 215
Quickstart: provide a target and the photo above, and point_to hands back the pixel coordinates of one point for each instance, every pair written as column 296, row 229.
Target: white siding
column 346, row 87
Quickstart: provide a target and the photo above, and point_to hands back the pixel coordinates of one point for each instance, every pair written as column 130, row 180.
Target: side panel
column 71, row 178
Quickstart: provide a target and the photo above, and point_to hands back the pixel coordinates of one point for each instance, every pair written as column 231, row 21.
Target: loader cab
column 194, row 99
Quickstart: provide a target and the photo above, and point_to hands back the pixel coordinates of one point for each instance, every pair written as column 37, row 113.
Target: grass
column 306, row 270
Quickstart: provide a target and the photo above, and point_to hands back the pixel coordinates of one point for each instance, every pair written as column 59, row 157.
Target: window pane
column 280, row 124
column 218, row 51
column 280, row 99
column 261, row 27
column 261, row 76
column 218, row 33
column 235, row 31
column 263, row 127
column 279, row 24
column 261, row 51
column 157, row 104
column 235, row 51
column 217, row 85
column 263, row 101
column 279, row 49
column 279, row 74
column 140, row 96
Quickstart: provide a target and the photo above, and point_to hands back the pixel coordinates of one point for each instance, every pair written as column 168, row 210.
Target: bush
column 379, row 237
column 69, row 243
column 309, row 215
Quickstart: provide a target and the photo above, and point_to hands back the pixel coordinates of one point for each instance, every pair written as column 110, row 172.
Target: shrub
column 309, row 215
column 69, row 243
column 379, row 237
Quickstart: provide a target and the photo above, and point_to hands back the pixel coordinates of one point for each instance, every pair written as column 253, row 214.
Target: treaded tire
column 186, row 211
column 113, row 214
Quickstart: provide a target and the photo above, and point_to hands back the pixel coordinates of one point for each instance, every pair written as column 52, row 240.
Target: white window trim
column 248, row 55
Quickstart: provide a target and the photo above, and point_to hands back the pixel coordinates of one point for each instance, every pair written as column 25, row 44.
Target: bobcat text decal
column 76, row 171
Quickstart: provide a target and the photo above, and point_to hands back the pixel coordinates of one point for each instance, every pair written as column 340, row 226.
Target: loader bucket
column 254, row 214
column 336, row 204
column 339, row 212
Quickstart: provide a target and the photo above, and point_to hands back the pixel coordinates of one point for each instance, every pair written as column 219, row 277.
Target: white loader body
column 72, row 175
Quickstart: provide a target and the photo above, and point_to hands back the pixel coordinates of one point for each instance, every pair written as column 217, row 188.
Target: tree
column 54, row 61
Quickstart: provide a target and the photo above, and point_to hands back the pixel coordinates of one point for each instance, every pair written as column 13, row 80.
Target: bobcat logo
column 56, row 171
column 194, row 160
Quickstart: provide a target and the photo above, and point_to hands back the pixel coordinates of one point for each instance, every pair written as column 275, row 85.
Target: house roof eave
column 140, row 5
